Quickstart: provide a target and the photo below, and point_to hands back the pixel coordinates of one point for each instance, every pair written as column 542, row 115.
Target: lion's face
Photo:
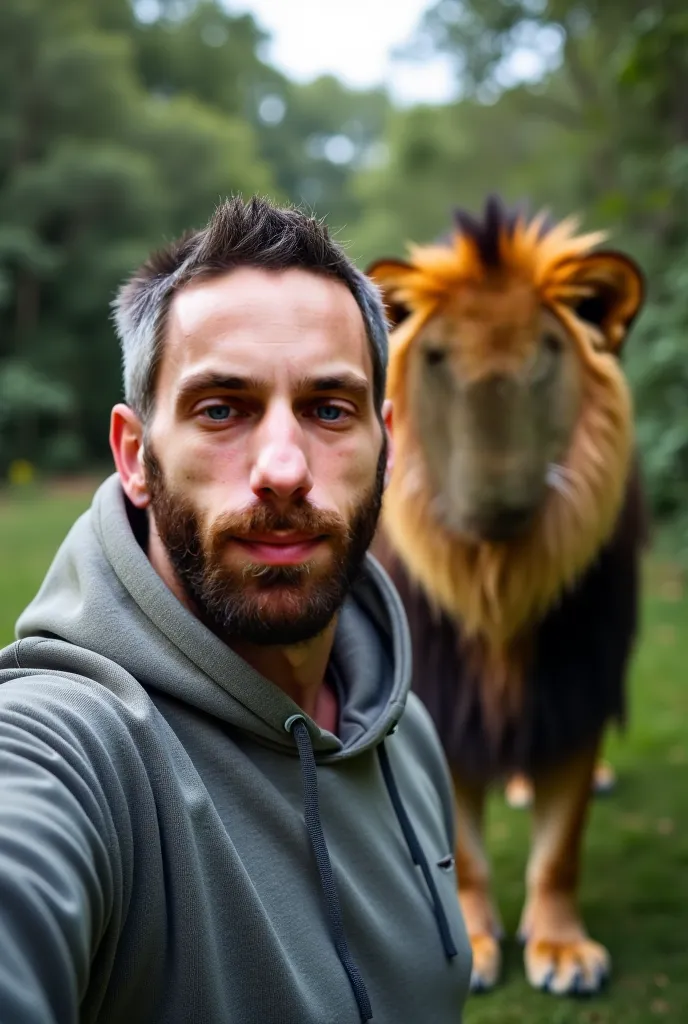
column 494, row 386
column 512, row 417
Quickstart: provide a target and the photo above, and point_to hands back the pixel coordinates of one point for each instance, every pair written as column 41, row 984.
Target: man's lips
column 280, row 549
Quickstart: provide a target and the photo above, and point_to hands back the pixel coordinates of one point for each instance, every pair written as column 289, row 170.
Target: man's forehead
column 257, row 295
column 285, row 320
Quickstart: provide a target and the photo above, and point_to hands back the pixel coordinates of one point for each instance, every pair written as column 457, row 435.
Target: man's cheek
column 357, row 489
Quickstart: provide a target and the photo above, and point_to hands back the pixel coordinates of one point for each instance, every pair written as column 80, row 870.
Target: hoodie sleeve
column 59, row 855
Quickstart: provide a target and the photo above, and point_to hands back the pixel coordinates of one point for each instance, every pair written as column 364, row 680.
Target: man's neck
column 300, row 672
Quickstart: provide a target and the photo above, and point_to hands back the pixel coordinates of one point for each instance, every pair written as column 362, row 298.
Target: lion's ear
column 389, row 276
column 614, row 294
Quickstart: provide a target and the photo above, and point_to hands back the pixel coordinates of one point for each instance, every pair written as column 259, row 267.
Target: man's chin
column 276, row 628
column 272, row 613
column 282, row 601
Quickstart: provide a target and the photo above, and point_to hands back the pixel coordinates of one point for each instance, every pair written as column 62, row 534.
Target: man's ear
column 389, row 276
column 614, row 288
column 126, row 444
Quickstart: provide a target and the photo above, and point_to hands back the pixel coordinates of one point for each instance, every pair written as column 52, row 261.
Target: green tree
column 94, row 171
column 314, row 137
column 581, row 105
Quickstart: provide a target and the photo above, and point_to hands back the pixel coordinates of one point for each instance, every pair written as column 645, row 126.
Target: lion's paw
column 487, row 963
column 567, row 968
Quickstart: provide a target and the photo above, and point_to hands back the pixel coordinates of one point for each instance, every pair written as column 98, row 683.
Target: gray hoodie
column 179, row 843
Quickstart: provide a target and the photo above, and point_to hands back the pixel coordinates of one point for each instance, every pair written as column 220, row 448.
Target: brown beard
column 263, row 604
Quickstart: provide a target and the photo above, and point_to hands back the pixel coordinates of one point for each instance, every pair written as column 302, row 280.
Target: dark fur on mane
column 575, row 682
column 497, row 220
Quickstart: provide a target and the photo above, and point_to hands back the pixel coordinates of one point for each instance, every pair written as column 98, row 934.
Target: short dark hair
column 255, row 234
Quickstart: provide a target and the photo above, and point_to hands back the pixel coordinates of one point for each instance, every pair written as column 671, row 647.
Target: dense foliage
column 117, row 131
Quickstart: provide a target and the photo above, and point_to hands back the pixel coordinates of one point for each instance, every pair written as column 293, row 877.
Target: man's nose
column 281, row 468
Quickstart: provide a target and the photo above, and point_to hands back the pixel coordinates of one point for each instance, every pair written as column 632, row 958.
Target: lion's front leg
column 482, row 921
column 559, row 956
column 518, row 791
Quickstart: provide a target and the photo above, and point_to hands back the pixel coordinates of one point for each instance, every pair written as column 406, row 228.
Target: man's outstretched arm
column 58, row 859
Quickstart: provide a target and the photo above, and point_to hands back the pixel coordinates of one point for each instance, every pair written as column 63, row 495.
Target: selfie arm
column 58, row 860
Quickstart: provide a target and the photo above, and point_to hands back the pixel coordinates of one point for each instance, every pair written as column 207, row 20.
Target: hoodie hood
column 102, row 595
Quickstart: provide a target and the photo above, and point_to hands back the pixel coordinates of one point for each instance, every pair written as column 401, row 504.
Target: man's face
column 265, row 459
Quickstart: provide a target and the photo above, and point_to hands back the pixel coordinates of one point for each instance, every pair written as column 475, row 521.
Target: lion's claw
column 567, row 968
column 487, row 962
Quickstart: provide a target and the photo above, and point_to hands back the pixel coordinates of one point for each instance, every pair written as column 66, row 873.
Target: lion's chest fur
column 574, row 662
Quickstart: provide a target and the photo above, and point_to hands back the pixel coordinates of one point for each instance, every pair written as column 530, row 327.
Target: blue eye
column 329, row 413
column 218, row 413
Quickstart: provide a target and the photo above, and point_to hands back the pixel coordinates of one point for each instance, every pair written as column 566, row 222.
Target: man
column 218, row 801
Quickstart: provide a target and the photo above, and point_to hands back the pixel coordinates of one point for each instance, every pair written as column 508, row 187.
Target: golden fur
column 497, row 589
column 479, row 299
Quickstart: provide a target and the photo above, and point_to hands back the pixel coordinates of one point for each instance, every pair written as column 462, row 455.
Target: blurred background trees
column 116, row 133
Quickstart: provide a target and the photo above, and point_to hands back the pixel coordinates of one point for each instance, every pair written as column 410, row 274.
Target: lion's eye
column 434, row 356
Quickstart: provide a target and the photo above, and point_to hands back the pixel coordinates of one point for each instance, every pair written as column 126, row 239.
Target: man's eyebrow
column 348, row 382
column 217, row 381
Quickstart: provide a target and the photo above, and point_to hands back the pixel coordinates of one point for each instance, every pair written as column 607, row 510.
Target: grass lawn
column 635, row 882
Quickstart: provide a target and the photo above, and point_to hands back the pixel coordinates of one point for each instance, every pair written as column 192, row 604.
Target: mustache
column 265, row 518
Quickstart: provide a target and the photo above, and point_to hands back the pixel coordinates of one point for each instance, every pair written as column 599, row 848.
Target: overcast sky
column 352, row 39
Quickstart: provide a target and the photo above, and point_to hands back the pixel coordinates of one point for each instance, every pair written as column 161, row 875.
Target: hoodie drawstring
column 416, row 851
column 296, row 725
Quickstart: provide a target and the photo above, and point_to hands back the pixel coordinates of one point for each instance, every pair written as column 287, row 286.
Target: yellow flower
column 21, row 472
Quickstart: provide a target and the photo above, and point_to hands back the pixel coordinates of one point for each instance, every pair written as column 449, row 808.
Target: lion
column 512, row 527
